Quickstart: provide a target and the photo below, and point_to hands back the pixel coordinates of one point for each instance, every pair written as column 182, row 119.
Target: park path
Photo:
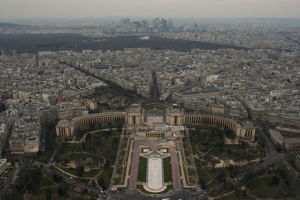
column 134, row 167
column 175, row 170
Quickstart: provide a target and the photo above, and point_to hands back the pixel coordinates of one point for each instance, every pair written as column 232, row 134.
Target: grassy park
column 272, row 185
column 33, row 184
column 209, row 141
column 101, row 146
column 104, row 144
column 142, row 169
column 167, row 169
column 104, row 178
column 209, row 149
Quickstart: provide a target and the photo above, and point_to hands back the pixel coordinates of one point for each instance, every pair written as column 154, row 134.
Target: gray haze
column 149, row 8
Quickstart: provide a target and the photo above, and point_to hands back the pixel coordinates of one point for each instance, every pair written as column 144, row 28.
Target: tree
column 274, row 180
column 31, row 179
column 48, row 194
column 233, row 170
column 202, row 183
column 115, row 141
column 228, row 186
column 61, row 192
column 57, row 178
column 119, row 128
column 85, row 191
column 221, row 177
column 107, row 164
column 102, row 183
column 80, row 170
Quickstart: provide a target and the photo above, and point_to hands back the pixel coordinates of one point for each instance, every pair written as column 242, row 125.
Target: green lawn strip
column 121, row 170
column 118, row 181
column 118, row 177
column 104, row 179
column 128, row 141
column 127, row 147
column 183, row 154
column 167, row 169
column 143, row 162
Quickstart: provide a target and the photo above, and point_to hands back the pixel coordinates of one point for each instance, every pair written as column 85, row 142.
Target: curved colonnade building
column 136, row 116
column 244, row 130
column 68, row 128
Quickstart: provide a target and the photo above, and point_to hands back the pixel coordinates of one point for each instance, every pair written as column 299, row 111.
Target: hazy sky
column 149, row 8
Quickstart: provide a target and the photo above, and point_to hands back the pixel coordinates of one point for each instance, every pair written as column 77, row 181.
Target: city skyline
column 32, row 9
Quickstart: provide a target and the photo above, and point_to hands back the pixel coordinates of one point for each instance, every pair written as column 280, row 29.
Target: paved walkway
column 135, row 160
column 176, row 177
column 175, row 170
column 134, row 167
